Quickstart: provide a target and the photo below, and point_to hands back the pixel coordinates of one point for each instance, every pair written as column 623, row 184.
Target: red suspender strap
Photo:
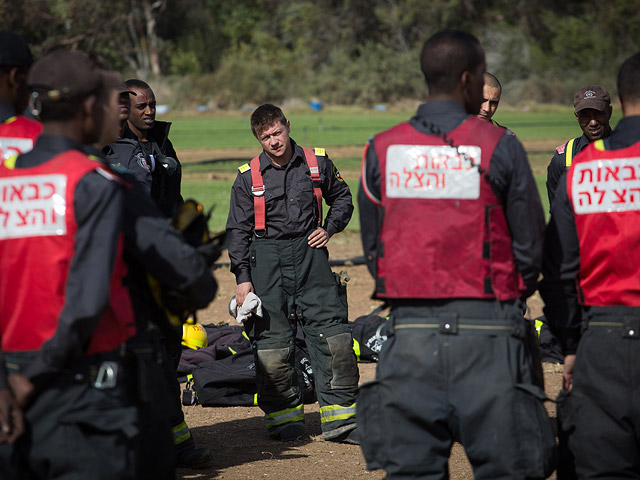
column 257, row 188
column 312, row 163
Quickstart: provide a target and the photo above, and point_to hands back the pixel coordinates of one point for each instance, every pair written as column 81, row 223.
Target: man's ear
column 609, row 111
column 88, row 105
column 464, row 79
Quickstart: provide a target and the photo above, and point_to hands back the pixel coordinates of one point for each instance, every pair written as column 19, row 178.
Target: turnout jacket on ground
column 290, row 205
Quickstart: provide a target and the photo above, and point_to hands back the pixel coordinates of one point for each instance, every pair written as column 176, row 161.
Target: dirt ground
column 238, row 437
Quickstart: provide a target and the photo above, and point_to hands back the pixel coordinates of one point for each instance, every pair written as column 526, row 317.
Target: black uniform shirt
column 6, row 112
column 562, row 251
column 289, row 203
column 558, row 165
column 152, row 245
column 512, row 183
column 97, row 207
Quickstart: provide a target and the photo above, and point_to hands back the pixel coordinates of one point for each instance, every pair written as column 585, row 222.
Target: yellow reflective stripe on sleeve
column 288, row 415
column 356, row 349
column 180, row 433
column 599, row 145
column 233, row 352
column 320, row 151
column 331, row 413
column 244, row 334
column 255, row 399
column 244, row 168
column 568, row 151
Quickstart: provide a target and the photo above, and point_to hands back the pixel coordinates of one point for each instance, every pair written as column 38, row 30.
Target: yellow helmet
column 194, row 336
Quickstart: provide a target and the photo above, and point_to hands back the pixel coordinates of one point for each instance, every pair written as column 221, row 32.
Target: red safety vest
column 604, row 190
column 257, row 188
column 17, row 135
column 37, row 244
column 444, row 233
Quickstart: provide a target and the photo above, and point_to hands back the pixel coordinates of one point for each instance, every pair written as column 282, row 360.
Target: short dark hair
column 446, row 55
column 139, row 84
column 264, row 116
column 492, row 81
column 628, row 82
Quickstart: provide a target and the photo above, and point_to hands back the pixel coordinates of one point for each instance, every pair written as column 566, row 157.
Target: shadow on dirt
column 239, row 442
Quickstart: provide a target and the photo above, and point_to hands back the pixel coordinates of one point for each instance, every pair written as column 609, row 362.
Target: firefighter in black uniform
column 65, row 311
column 17, row 133
column 592, row 108
column 156, row 162
column 277, row 250
column 491, row 93
column 452, row 230
column 153, row 247
column 593, row 238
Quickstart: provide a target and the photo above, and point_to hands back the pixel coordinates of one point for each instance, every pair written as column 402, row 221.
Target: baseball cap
column 114, row 80
column 14, row 50
column 592, row 96
column 63, row 76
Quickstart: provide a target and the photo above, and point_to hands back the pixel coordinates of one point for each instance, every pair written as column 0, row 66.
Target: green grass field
column 339, row 129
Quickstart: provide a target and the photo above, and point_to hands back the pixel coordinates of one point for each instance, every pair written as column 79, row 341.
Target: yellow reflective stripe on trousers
column 288, row 415
column 331, row 413
column 180, row 433
column 356, row 349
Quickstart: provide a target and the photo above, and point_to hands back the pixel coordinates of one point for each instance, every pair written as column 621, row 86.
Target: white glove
column 252, row 306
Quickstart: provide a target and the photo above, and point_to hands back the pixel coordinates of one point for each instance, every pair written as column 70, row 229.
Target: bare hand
column 22, row 389
column 11, row 418
column 318, row 238
column 567, row 372
column 242, row 290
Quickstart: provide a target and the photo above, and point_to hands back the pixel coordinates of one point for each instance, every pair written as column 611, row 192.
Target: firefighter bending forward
column 277, row 251
column 440, row 195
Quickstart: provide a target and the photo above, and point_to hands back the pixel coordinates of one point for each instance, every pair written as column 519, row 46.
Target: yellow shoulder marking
column 320, row 151
column 244, row 168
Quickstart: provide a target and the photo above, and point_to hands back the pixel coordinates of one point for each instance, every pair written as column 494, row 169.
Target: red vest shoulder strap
column 312, row 163
column 257, row 188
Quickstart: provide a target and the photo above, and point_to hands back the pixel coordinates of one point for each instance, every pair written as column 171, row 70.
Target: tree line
column 230, row 53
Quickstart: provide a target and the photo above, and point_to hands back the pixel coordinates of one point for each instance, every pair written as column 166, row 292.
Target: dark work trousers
column 296, row 284
column 75, row 431
column 157, row 452
column 600, row 417
column 460, row 372
column 182, row 439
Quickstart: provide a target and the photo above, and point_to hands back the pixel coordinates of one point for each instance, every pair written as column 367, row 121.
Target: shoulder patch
column 320, row 151
column 336, row 174
column 244, row 168
column 561, row 148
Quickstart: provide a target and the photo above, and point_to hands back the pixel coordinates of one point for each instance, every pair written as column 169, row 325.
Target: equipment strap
column 312, row 163
column 569, row 152
column 257, row 189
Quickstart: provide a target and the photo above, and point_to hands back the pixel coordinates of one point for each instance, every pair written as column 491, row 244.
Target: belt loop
column 449, row 323
column 631, row 327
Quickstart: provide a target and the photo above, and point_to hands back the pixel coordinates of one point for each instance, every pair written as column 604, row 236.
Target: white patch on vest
column 606, row 186
column 32, row 206
column 432, row 171
column 14, row 146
